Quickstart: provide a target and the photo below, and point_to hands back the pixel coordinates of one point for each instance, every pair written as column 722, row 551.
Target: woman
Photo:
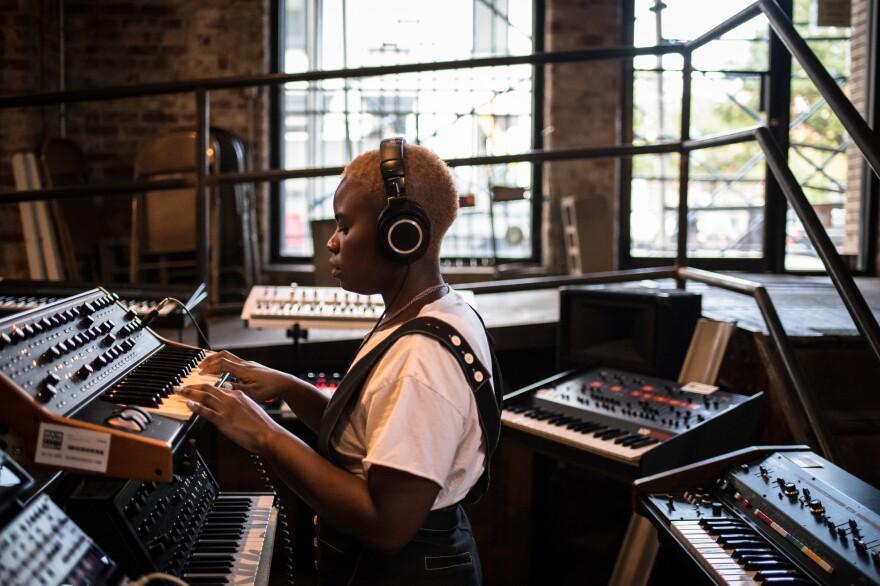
column 403, row 440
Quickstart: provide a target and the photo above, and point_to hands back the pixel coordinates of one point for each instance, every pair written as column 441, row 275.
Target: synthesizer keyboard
column 643, row 423
column 317, row 307
column 767, row 515
column 21, row 295
column 86, row 386
column 186, row 528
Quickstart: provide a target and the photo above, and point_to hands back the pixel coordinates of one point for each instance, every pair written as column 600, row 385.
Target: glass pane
column 726, row 191
column 657, row 107
column 654, row 216
column 726, row 202
column 820, row 153
column 724, row 102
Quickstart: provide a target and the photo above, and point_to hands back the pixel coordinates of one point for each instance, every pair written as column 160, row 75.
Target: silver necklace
column 421, row 295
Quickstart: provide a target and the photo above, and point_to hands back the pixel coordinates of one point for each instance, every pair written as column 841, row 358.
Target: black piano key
column 787, row 580
column 738, row 543
column 139, row 401
column 609, row 433
column 764, row 574
column 626, row 441
column 766, row 565
column 646, row 441
column 709, row 521
column 542, row 415
column 728, row 527
column 227, row 519
column 735, row 537
column 727, row 523
column 209, row 563
column 220, row 538
column 220, row 513
column 217, row 525
column 756, row 557
column 739, row 553
column 207, row 557
column 205, row 576
column 587, row 427
column 217, row 538
column 222, row 533
column 562, row 420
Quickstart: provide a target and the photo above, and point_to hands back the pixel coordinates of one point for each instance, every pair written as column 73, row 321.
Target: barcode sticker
column 71, row 447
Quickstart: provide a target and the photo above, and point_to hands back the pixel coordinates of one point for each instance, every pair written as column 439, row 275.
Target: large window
column 730, row 91
column 458, row 113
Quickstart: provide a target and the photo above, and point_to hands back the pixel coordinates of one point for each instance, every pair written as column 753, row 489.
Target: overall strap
column 477, row 376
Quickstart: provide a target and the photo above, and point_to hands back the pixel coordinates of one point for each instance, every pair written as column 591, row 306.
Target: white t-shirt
column 416, row 412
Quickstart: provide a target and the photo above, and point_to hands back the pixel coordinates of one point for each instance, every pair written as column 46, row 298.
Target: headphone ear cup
column 403, row 230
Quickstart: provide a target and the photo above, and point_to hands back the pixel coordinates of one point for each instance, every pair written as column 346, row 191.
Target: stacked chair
column 163, row 227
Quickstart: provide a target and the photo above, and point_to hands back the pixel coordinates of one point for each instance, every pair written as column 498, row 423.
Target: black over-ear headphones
column 403, row 229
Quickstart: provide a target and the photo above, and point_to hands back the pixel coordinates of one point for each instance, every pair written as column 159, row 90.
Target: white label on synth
column 701, row 388
column 71, row 447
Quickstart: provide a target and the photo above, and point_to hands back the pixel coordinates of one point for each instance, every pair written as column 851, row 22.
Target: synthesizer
column 39, row 543
column 326, row 382
column 637, row 424
column 318, row 307
column 767, row 515
column 21, row 295
column 187, row 527
column 86, row 387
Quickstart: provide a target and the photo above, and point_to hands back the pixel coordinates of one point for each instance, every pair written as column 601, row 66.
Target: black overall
column 443, row 551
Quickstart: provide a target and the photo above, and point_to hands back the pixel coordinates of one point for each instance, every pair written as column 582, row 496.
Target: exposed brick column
column 582, row 108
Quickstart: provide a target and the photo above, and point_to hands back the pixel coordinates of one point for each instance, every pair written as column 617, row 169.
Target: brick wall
column 112, row 43
column 29, row 58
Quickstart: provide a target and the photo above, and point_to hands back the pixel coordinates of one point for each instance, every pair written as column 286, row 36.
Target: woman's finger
column 202, row 410
column 222, row 365
column 204, row 394
column 215, row 357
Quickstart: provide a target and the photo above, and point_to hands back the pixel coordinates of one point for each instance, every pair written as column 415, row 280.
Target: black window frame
column 277, row 14
column 777, row 97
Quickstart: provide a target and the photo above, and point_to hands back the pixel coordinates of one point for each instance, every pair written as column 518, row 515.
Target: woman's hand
column 258, row 382
column 235, row 415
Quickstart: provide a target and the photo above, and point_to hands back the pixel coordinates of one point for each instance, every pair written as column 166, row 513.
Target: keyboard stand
column 637, row 554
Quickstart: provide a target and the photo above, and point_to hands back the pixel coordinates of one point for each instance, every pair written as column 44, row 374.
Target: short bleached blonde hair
column 428, row 182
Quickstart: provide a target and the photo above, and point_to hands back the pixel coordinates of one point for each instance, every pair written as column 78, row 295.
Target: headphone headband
column 391, row 166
